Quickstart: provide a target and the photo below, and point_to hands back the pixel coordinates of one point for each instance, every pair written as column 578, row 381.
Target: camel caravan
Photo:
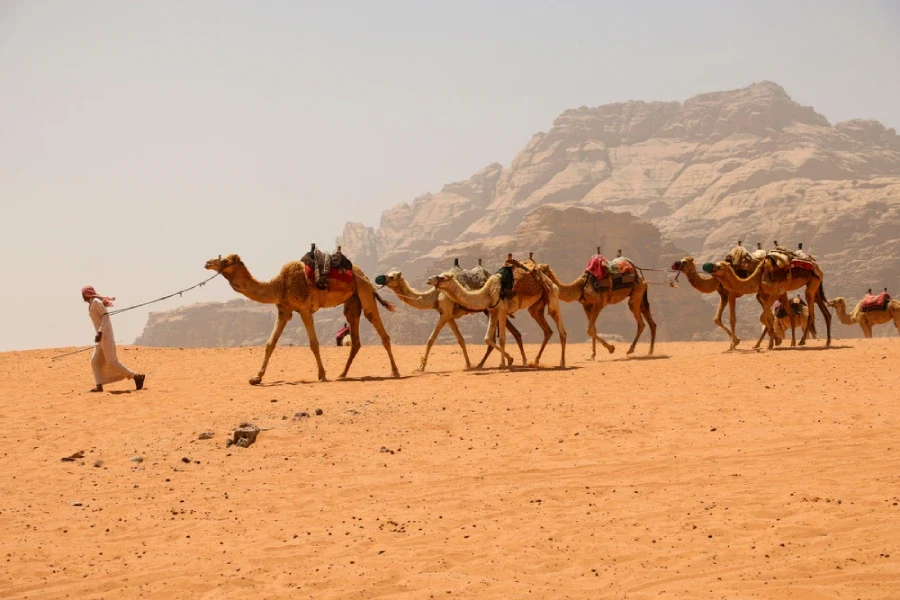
column 322, row 280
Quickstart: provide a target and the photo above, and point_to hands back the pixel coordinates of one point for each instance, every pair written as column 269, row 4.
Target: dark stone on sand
column 245, row 434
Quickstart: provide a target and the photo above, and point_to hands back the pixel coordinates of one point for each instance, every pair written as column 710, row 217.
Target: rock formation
column 747, row 164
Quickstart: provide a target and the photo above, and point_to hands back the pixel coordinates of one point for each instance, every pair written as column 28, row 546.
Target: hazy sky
column 139, row 139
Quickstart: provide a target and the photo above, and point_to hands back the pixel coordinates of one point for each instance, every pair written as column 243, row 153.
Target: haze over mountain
column 693, row 177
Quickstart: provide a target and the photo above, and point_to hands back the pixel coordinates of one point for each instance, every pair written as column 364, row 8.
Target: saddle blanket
column 802, row 264
column 879, row 302
column 598, row 267
column 338, row 274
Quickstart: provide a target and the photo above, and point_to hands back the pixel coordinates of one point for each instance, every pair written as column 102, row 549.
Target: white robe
column 104, row 362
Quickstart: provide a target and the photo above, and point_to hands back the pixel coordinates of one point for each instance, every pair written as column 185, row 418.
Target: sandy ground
column 700, row 474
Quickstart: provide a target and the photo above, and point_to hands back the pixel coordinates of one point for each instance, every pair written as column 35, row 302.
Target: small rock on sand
column 206, row 435
column 137, row 459
column 245, row 434
column 319, row 412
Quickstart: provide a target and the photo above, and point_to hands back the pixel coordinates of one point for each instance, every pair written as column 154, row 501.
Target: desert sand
column 700, row 473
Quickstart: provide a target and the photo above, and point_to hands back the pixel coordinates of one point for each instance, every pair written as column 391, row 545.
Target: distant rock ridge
column 748, row 164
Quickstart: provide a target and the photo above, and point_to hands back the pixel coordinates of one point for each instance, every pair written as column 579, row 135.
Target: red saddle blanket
column 344, row 275
column 598, row 267
column 879, row 302
column 802, row 264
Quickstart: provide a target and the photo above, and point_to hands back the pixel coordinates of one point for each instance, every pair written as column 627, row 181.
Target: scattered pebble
column 319, row 412
column 137, row 459
column 73, row 457
column 185, row 460
column 206, row 435
column 98, row 463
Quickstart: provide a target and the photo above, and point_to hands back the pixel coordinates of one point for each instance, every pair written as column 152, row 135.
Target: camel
column 788, row 279
column 291, row 290
column 532, row 290
column 866, row 320
column 593, row 301
column 708, row 285
column 448, row 311
column 771, row 284
column 783, row 323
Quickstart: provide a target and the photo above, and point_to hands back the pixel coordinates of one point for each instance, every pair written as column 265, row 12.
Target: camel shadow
column 810, row 348
column 499, row 371
column 643, row 357
column 345, row 379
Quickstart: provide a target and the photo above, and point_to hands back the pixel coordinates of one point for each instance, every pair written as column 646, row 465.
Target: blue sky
column 140, row 139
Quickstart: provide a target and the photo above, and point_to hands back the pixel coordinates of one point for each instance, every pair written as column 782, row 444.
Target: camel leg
column 370, row 310
column 810, row 320
column 717, row 319
column 314, row 340
column 352, row 311
column 553, row 309
column 732, row 308
column 867, row 328
column 645, row 310
column 826, row 314
column 790, row 312
column 587, row 314
column 896, row 316
column 462, row 343
column 537, row 313
column 443, row 320
column 489, row 339
column 634, row 305
column 500, row 326
column 592, row 327
column 284, row 315
column 515, row 333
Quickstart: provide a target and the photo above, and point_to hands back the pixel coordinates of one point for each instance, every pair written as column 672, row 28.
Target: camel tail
column 822, row 292
column 390, row 306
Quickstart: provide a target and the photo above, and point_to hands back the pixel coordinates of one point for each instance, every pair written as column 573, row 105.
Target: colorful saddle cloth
column 872, row 302
column 344, row 275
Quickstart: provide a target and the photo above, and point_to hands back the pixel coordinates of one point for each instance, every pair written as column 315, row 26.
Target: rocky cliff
column 657, row 179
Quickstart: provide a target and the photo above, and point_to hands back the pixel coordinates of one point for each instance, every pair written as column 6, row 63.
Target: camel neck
column 704, row 285
column 735, row 284
column 415, row 298
column 485, row 298
column 267, row 292
column 568, row 292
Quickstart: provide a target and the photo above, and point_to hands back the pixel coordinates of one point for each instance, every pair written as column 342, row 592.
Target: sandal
column 139, row 381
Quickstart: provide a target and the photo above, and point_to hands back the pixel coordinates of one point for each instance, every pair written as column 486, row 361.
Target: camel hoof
column 736, row 342
column 255, row 380
column 802, row 342
column 777, row 342
column 533, row 365
column 396, row 374
column 611, row 349
column 630, row 351
column 422, row 369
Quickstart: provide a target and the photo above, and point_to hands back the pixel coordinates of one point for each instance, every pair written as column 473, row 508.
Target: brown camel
column 708, row 285
column 866, row 320
column 783, row 274
column 771, row 283
column 532, row 290
column 291, row 290
column 448, row 311
column 594, row 301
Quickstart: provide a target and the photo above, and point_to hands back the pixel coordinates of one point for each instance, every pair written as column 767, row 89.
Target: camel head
column 685, row 264
column 718, row 267
column 440, row 281
column 391, row 280
column 220, row 264
column 837, row 301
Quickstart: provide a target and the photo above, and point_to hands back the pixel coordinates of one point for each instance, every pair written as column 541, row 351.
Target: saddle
column 520, row 278
column 321, row 267
column 605, row 276
column 875, row 302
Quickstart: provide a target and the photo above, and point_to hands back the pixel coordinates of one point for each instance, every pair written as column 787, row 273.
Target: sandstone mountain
column 657, row 179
